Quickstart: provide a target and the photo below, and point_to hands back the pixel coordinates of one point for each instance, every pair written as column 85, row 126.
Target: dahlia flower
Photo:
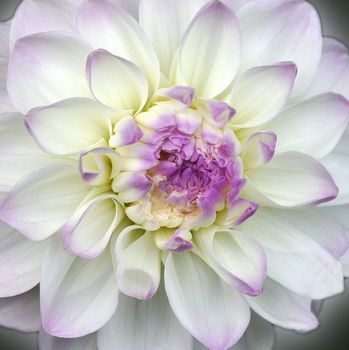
column 162, row 169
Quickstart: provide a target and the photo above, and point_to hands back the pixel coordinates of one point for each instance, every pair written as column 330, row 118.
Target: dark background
column 333, row 333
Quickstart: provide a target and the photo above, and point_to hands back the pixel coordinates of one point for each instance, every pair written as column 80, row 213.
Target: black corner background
column 334, row 329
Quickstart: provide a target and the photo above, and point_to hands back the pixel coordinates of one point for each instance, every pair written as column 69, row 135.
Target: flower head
column 163, row 166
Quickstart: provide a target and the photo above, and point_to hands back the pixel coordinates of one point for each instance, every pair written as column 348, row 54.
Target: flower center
column 185, row 170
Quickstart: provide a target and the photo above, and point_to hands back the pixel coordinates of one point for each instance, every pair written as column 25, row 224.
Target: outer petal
column 126, row 39
column 69, row 126
column 211, row 311
column 313, row 127
column 261, row 93
column 19, row 155
column 333, row 71
column 239, row 260
column 131, row 6
column 337, row 163
column 89, row 230
column 20, row 262
column 264, row 26
column 5, row 103
column 77, row 296
column 144, row 325
column 38, row 16
column 45, row 68
column 284, row 308
column 260, row 335
column 47, row 342
column 116, row 82
column 290, row 179
column 139, row 264
column 21, row 312
column 209, row 54
column 43, row 201
column 165, row 22
column 295, row 259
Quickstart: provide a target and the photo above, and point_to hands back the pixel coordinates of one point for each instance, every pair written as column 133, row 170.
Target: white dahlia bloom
column 162, row 164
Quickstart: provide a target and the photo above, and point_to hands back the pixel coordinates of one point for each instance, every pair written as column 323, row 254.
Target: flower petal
column 284, row 308
column 48, row 342
column 165, row 21
column 21, row 312
column 274, row 184
column 238, row 260
column 131, row 186
column 211, row 311
column 337, row 163
column 261, row 93
column 264, row 26
column 126, row 132
column 38, row 16
column 259, row 150
column 116, row 82
column 77, row 296
column 295, row 259
column 209, row 53
column 5, row 103
column 116, row 30
column 90, row 228
column 45, row 68
column 19, row 155
column 20, row 262
column 138, row 271
column 69, row 126
column 313, row 127
column 156, row 326
column 43, row 201
column 131, row 6
column 332, row 72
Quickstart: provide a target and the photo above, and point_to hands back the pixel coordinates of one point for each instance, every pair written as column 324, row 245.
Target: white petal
column 69, row 126
column 77, row 296
column 20, row 262
column 45, row 68
column 139, row 264
column 139, row 324
column 116, row 82
column 48, row 342
column 19, row 155
column 295, row 259
column 43, row 201
column 90, row 228
column 239, row 260
column 290, row 179
column 165, row 21
column 264, row 26
column 337, row 164
column 209, row 53
column 284, row 308
column 261, row 93
column 260, row 335
column 38, row 16
column 333, row 70
column 131, row 6
column 116, row 31
column 5, row 103
column 211, row 311
column 313, row 127
column 21, row 312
